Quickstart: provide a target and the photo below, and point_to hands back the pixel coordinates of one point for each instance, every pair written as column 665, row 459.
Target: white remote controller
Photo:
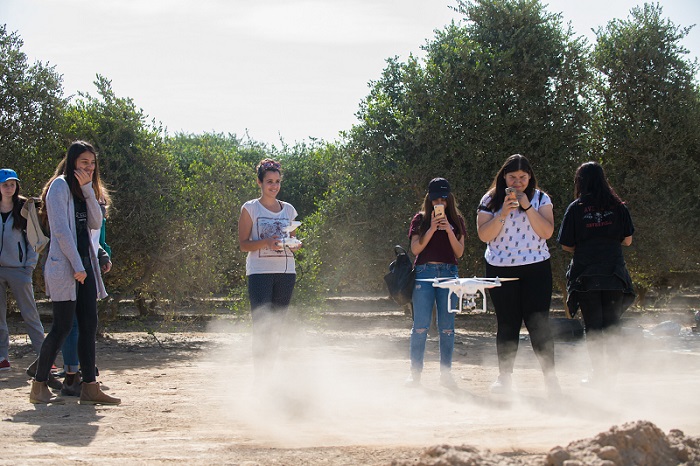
column 289, row 242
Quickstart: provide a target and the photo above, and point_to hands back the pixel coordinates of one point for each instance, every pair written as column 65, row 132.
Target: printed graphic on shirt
column 594, row 218
column 517, row 243
column 268, row 228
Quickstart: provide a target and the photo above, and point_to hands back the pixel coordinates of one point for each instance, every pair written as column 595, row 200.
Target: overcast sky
column 275, row 68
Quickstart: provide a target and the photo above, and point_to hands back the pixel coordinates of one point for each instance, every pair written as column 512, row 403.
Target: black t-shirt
column 590, row 227
column 81, row 227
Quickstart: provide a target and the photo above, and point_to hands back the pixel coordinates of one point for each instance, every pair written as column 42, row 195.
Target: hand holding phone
column 439, row 210
column 512, row 195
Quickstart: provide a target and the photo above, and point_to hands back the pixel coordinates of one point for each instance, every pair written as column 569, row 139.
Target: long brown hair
column 451, row 210
column 590, row 182
column 66, row 168
column 497, row 190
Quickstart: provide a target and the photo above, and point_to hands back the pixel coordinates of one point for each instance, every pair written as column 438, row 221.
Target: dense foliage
column 510, row 78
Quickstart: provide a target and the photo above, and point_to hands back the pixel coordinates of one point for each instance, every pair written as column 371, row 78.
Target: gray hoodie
column 14, row 250
column 63, row 259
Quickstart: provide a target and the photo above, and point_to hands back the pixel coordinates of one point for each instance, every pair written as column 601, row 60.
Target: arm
column 418, row 243
column 542, row 220
column 58, row 199
column 627, row 241
column 245, row 227
column 456, row 244
column 32, row 257
column 93, row 207
column 489, row 225
column 568, row 248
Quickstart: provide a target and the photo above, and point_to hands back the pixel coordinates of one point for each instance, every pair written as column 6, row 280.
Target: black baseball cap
column 438, row 188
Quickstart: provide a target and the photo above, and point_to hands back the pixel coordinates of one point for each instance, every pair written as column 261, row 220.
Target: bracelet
column 528, row 208
column 503, row 221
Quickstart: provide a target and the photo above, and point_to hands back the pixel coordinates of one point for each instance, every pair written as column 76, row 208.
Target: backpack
column 36, row 237
column 401, row 277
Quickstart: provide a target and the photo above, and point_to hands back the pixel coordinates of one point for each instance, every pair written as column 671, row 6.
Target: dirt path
column 337, row 397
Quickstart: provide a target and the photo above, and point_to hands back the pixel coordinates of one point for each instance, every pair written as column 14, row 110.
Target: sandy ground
column 337, row 397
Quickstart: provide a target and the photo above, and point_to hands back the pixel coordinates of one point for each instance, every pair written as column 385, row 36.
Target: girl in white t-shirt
column 269, row 265
column 515, row 219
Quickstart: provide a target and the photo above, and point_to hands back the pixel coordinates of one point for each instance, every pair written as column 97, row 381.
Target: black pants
column 270, row 295
column 600, row 309
column 85, row 309
column 524, row 300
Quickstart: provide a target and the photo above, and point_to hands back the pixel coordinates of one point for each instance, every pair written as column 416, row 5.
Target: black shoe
column 74, row 388
column 54, row 383
column 31, row 370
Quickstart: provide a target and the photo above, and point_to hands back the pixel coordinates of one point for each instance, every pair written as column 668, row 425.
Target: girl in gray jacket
column 17, row 262
column 72, row 273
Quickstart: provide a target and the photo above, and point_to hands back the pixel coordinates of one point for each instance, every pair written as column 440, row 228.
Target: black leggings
column 600, row 309
column 270, row 295
column 524, row 300
column 85, row 309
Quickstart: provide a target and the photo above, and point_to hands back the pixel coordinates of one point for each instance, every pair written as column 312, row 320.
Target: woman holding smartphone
column 515, row 218
column 437, row 240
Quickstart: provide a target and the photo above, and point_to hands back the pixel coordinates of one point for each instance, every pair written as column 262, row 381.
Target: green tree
column 510, row 79
column 145, row 229
column 648, row 134
column 31, row 105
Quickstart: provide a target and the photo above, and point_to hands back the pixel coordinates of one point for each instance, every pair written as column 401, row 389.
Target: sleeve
column 567, row 230
column 94, row 209
column 483, row 205
column 414, row 229
column 627, row 226
column 102, row 256
column 543, row 199
column 58, row 198
column 32, row 256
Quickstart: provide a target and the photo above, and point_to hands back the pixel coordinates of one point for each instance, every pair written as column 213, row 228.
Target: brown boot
column 41, row 394
column 90, row 394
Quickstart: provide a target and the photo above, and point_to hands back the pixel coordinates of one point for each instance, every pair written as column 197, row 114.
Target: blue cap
column 7, row 174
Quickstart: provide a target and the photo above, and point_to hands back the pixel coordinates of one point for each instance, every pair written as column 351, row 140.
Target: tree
column 648, row 131
column 144, row 228
column 31, row 105
column 509, row 80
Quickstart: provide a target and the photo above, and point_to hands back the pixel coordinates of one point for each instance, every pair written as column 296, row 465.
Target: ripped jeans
column 424, row 297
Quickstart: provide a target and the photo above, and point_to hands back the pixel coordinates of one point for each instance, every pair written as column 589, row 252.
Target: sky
column 274, row 70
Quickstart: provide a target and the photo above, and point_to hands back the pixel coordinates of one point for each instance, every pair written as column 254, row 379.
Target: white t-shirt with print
column 517, row 243
column 265, row 225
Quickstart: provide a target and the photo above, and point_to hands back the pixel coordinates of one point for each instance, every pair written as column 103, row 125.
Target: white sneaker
column 551, row 383
column 413, row 380
column 502, row 385
column 447, row 381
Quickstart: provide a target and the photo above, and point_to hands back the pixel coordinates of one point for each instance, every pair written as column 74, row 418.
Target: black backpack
column 401, row 277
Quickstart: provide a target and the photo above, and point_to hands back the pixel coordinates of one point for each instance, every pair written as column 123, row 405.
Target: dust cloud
column 341, row 382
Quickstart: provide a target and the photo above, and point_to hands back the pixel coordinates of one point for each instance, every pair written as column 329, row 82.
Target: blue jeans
column 425, row 295
column 71, row 362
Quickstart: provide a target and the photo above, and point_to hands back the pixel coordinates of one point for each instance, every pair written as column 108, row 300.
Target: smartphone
column 439, row 210
column 511, row 192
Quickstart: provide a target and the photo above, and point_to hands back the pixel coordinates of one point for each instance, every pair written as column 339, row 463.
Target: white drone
column 289, row 241
column 465, row 289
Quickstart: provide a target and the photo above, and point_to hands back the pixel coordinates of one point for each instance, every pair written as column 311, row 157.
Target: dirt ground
column 337, row 396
